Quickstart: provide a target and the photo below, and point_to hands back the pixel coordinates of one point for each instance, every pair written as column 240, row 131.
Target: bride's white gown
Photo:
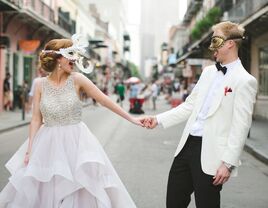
column 68, row 167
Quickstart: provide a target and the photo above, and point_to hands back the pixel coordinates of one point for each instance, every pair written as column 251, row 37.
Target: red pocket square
column 226, row 90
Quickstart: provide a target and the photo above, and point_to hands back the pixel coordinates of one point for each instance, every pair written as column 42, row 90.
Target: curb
column 256, row 153
column 27, row 123
column 14, row 127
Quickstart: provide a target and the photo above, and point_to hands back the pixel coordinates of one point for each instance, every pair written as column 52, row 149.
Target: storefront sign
column 29, row 46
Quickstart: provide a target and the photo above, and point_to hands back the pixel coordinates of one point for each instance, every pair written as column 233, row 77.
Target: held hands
column 149, row 122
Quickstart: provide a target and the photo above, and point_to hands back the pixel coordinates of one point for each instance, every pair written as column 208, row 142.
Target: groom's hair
column 231, row 30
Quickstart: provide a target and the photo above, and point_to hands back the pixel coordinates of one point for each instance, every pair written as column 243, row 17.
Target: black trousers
column 186, row 177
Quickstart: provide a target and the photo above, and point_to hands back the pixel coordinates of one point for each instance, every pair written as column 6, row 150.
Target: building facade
column 25, row 26
column 253, row 16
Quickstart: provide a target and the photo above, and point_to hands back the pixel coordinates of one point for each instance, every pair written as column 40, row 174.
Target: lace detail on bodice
column 60, row 105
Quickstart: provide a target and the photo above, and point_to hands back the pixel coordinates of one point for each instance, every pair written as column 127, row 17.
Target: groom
column 219, row 112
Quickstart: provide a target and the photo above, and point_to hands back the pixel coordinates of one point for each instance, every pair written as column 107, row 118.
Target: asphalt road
column 143, row 157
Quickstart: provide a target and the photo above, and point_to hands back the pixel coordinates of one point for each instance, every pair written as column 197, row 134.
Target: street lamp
column 126, row 42
column 164, row 53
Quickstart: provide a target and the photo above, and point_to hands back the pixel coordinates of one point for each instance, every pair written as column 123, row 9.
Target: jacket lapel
column 228, row 81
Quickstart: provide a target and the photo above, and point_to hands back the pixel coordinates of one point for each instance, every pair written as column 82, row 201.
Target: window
column 7, row 63
column 263, row 73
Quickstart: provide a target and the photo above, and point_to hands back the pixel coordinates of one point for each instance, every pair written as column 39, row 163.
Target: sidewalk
column 11, row 120
column 256, row 144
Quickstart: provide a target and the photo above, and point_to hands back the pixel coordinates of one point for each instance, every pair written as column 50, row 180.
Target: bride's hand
column 26, row 158
column 137, row 121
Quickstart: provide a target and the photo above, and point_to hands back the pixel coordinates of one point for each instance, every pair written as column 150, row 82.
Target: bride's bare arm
column 36, row 121
column 91, row 90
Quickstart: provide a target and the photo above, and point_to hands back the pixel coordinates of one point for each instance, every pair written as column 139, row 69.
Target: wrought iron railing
column 245, row 8
column 38, row 7
column 102, row 24
column 66, row 22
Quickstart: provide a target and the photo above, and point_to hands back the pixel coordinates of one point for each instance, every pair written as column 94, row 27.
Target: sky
column 182, row 8
column 133, row 15
column 134, row 10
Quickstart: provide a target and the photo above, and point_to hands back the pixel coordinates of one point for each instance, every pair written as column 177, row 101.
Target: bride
column 62, row 165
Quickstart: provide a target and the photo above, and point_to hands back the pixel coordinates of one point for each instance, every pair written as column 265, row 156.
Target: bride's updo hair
column 48, row 60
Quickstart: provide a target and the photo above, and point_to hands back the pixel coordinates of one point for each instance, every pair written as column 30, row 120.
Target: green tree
column 212, row 17
column 134, row 70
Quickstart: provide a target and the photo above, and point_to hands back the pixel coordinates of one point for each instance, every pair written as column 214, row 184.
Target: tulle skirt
column 68, row 168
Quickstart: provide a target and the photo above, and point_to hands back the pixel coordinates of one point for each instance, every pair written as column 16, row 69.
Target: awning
column 256, row 24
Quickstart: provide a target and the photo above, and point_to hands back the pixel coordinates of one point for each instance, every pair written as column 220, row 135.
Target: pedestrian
column 185, row 92
column 154, row 89
column 146, row 95
column 8, row 96
column 176, row 85
column 62, row 164
column 134, row 90
column 25, row 96
column 120, row 90
column 191, row 86
column 40, row 73
column 94, row 102
column 219, row 113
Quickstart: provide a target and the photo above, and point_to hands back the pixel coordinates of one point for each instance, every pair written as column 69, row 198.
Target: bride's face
column 66, row 65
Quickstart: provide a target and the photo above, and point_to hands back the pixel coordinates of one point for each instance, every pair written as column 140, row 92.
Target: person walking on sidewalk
column 154, row 89
column 120, row 91
column 8, row 96
column 41, row 73
column 63, row 164
column 219, row 113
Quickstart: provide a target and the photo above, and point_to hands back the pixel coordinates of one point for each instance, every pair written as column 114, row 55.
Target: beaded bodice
column 60, row 105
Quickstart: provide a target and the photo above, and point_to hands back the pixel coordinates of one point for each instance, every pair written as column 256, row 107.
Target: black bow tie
column 220, row 68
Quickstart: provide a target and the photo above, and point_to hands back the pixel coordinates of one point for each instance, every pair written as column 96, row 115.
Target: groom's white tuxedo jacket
column 228, row 119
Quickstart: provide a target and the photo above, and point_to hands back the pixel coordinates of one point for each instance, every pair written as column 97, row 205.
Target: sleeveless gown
column 68, row 167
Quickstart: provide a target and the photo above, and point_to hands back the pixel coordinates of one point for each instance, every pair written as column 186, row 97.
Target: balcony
column 40, row 8
column 244, row 9
column 65, row 22
column 103, row 25
column 39, row 15
column 36, row 7
column 224, row 5
column 192, row 9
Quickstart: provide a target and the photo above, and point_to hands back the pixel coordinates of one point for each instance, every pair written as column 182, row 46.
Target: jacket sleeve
column 244, row 100
column 184, row 110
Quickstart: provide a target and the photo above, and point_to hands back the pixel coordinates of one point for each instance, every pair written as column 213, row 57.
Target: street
column 143, row 158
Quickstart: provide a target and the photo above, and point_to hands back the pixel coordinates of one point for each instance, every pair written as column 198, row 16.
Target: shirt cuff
column 158, row 120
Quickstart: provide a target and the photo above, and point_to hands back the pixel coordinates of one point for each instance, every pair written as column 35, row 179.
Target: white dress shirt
column 198, row 126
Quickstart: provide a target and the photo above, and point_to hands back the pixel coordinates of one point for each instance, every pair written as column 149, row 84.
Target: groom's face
column 219, row 45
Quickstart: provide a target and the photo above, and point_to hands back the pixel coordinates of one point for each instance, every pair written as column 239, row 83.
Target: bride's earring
column 59, row 67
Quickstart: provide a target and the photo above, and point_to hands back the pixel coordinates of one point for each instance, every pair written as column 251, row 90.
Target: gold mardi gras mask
column 217, row 42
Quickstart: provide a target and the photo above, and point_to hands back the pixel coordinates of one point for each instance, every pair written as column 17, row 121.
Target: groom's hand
column 149, row 122
column 222, row 175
